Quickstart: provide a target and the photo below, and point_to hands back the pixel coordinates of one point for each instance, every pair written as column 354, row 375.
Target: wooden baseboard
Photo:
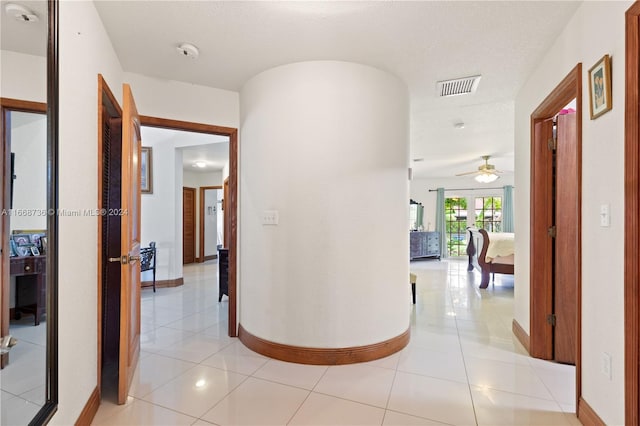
column 323, row 356
column 587, row 415
column 521, row 335
column 210, row 257
column 90, row 409
column 163, row 283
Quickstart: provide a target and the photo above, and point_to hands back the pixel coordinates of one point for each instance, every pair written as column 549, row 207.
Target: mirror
column 28, row 225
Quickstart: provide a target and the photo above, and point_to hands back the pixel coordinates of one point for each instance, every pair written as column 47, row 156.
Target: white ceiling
column 421, row 42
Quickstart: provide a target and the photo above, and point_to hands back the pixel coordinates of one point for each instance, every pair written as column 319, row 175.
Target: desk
column 31, row 285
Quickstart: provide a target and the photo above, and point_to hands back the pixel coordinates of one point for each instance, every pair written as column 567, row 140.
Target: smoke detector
column 188, row 50
column 20, row 13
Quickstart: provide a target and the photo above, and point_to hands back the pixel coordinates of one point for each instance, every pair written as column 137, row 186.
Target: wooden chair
column 148, row 261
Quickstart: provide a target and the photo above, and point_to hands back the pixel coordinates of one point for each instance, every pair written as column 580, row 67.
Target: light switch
column 270, row 217
column 605, row 216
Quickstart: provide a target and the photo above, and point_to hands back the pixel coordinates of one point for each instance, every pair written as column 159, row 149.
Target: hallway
column 463, row 366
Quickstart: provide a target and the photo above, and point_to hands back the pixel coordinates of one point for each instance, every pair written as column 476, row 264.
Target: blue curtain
column 441, row 222
column 507, row 209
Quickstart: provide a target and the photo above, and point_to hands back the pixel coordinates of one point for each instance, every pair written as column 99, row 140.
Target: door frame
column 540, row 279
column 201, row 219
column 231, row 203
column 6, row 105
column 107, row 104
column 631, row 216
column 194, row 207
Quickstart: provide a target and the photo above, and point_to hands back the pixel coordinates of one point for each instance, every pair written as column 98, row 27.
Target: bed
column 490, row 253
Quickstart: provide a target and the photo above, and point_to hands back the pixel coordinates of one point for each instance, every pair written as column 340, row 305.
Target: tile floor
column 462, row 366
column 22, row 381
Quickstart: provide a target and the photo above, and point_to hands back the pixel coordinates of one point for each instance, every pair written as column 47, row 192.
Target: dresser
column 424, row 244
column 31, row 285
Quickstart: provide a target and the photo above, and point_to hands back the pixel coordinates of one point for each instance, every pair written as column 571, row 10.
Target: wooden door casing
column 130, row 251
column 188, row 225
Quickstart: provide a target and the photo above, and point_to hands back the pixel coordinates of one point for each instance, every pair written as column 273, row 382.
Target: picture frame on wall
column 600, row 87
column 146, row 170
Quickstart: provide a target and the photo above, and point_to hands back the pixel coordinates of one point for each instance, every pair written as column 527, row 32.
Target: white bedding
column 500, row 245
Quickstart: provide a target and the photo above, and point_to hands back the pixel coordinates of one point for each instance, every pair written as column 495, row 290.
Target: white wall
column 323, row 275
column 85, row 51
column 211, row 221
column 29, row 143
column 596, row 28
column 23, row 76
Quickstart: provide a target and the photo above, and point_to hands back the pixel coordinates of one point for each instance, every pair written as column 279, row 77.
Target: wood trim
column 521, row 335
column 8, row 104
column 210, row 257
column 632, row 214
column 233, row 231
column 231, row 203
column 108, row 107
column 176, row 282
column 201, row 256
column 25, row 106
column 324, row 356
column 540, row 287
column 90, row 409
column 588, row 416
column 186, row 125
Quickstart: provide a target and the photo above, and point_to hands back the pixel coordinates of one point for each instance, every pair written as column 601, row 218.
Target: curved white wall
column 326, row 144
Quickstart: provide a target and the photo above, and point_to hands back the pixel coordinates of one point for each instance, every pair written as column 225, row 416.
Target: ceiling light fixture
column 486, row 177
column 200, row 164
column 459, row 125
column 188, row 50
column 21, row 13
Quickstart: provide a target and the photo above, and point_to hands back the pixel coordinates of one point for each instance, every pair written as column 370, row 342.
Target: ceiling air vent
column 458, row 86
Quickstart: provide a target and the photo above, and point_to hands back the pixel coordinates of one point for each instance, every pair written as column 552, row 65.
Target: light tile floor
column 22, row 381
column 462, row 367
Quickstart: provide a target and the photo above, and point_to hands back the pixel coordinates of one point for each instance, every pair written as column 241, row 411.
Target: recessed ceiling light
column 459, row 125
column 200, row 164
column 20, row 13
column 188, row 50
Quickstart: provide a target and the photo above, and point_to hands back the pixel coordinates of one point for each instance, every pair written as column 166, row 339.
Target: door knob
column 123, row 259
column 133, row 259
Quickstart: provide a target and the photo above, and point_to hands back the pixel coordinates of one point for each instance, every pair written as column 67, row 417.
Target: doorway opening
column 555, row 301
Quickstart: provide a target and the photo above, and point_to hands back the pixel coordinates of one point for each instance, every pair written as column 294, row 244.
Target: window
column 456, row 226
column 489, row 213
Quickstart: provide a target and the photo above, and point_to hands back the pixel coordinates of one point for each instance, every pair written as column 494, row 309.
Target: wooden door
column 130, row 246
column 188, row 225
column 226, row 222
column 567, row 256
column 541, row 273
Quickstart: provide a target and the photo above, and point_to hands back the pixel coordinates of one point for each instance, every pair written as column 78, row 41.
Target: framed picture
column 22, row 239
column 600, row 87
column 45, row 244
column 146, row 170
column 35, row 251
column 14, row 248
column 24, row 251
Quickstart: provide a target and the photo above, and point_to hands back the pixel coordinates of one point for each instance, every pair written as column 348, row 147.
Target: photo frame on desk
column 146, row 170
column 600, row 87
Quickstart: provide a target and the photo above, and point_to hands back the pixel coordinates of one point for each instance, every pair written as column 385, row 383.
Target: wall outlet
column 270, row 217
column 606, row 364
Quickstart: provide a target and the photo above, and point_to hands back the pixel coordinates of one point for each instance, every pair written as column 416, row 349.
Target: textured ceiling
column 420, row 42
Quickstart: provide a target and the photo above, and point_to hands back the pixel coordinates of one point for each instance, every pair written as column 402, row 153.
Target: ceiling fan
column 486, row 172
